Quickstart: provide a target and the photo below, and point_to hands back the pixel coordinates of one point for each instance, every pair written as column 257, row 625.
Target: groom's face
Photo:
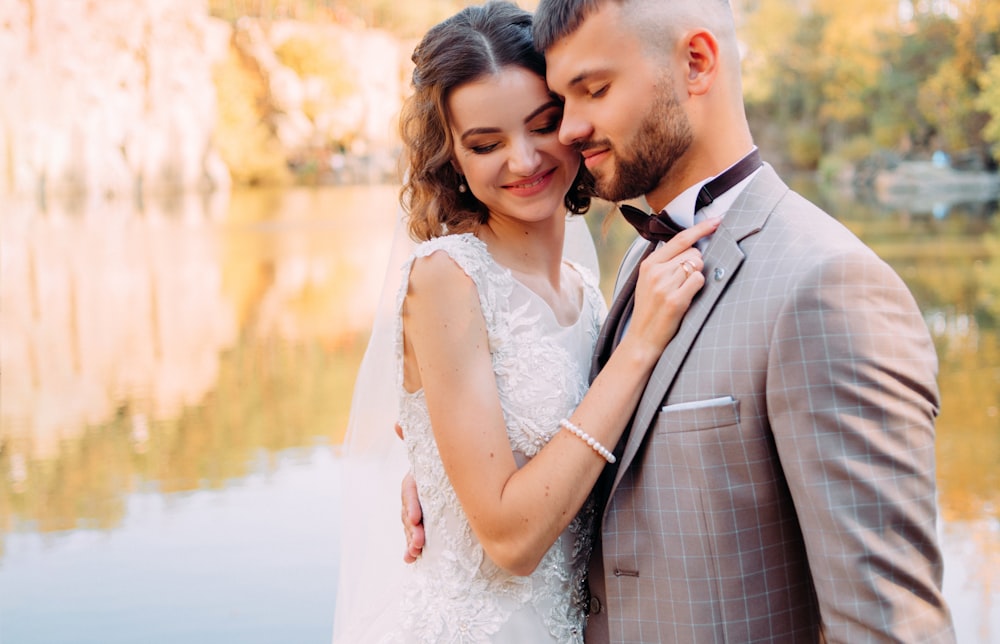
column 622, row 110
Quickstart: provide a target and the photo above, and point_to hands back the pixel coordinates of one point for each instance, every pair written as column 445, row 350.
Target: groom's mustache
column 582, row 146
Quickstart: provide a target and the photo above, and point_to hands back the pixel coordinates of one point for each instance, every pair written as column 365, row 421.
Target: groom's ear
column 702, row 61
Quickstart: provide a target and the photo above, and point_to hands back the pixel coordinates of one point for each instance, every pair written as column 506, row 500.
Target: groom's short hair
column 556, row 19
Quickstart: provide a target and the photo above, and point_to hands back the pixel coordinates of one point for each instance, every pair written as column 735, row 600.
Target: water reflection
column 163, row 348
column 103, row 307
column 190, row 346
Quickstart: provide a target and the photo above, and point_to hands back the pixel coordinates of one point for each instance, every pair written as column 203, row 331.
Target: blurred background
column 197, row 199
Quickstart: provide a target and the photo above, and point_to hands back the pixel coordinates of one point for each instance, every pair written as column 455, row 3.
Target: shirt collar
column 681, row 209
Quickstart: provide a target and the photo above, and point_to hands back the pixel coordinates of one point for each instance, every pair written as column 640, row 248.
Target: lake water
column 175, row 382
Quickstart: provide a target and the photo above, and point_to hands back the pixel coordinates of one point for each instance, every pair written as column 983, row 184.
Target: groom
column 777, row 480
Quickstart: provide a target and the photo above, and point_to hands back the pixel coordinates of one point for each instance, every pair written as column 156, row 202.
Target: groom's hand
column 412, row 516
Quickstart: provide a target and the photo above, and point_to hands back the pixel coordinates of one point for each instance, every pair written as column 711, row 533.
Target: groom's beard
column 663, row 136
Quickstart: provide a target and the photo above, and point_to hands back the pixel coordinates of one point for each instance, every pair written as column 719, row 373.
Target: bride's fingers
column 691, row 282
column 688, row 267
column 689, row 261
column 685, row 239
column 673, row 270
column 663, row 294
column 679, row 279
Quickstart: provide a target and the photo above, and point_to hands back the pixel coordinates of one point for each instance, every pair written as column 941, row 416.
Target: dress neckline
column 581, row 291
column 581, row 296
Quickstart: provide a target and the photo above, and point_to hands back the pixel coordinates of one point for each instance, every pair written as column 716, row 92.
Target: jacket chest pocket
column 699, row 415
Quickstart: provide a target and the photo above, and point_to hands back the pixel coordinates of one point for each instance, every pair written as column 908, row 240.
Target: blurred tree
column 912, row 55
column 783, row 78
column 771, row 64
column 989, row 102
column 853, row 75
column 851, row 47
column 948, row 98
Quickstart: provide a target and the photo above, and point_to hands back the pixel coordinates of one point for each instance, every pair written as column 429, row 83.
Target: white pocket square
column 700, row 404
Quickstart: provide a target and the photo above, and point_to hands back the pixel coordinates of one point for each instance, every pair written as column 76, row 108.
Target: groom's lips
column 593, row 157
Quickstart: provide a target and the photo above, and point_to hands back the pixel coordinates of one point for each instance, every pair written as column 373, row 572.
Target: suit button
column 719, row 274
column 595, row 605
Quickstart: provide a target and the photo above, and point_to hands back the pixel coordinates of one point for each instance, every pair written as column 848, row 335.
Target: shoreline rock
column 118, row 100
column 926, row 177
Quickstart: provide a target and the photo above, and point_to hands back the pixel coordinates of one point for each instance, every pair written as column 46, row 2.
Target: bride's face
column 505, row 127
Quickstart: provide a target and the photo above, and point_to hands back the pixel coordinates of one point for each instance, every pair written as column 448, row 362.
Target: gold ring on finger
column 688, row 267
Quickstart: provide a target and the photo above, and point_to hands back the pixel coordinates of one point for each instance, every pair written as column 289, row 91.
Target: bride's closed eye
column 483, row 149
column 548, row 128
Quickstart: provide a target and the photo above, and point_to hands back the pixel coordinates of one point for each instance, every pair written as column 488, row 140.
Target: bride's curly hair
column 477, row 41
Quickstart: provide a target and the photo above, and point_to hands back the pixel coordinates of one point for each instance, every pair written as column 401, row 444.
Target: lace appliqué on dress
column 454, row 592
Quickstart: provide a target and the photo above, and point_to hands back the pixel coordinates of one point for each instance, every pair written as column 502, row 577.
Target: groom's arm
column 413, row 522
column 412, row 514
column 852, row 398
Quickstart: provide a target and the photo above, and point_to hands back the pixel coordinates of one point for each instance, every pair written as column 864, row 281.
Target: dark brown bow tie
column 660, row 227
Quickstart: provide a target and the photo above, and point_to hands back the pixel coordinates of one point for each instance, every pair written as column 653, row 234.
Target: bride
column 494, row 330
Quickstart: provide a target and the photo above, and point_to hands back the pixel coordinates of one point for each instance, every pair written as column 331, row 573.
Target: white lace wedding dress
column 454, row 593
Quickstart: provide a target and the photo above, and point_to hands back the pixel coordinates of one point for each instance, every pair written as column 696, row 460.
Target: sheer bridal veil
column 373, row 461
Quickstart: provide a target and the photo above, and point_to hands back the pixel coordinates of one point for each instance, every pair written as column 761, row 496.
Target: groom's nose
column 574, row 128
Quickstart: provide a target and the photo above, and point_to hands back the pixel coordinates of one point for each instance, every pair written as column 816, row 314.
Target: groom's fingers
column 412, row 517
column 415, row 545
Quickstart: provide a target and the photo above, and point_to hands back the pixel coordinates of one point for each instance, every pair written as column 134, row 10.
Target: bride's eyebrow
column 473, row 131
column 542, row 108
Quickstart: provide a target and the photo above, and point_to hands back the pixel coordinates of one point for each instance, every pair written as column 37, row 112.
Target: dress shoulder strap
column 466, row 250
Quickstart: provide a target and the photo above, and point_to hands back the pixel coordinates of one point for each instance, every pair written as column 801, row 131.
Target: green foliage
column 911, row 58
column 855, row 149
column 805, row 146
column 947, row 101
column 853, row 68
column 770, row 65
column 988, row 273
column 850, row 46
column 844, row 156
column 989, row 102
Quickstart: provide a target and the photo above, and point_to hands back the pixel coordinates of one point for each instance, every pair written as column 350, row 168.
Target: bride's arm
column 517, row 514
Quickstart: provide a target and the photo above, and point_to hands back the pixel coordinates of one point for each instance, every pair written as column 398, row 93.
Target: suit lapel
column 639, row 250
column 723, row 258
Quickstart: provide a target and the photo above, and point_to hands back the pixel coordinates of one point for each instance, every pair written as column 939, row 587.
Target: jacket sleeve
column 852, row 398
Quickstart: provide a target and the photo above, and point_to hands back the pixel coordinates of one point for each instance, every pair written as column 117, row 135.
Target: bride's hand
column 668, row 280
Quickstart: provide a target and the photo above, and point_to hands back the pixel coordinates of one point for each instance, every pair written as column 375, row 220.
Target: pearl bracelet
column 588, row 439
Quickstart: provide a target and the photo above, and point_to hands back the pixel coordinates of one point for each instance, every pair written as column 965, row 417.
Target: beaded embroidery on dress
column 454, row 593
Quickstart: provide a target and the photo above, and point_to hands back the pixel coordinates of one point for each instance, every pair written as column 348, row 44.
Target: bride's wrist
column 638, row 353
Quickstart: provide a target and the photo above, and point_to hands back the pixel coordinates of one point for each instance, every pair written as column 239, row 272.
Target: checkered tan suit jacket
column 777, row 482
